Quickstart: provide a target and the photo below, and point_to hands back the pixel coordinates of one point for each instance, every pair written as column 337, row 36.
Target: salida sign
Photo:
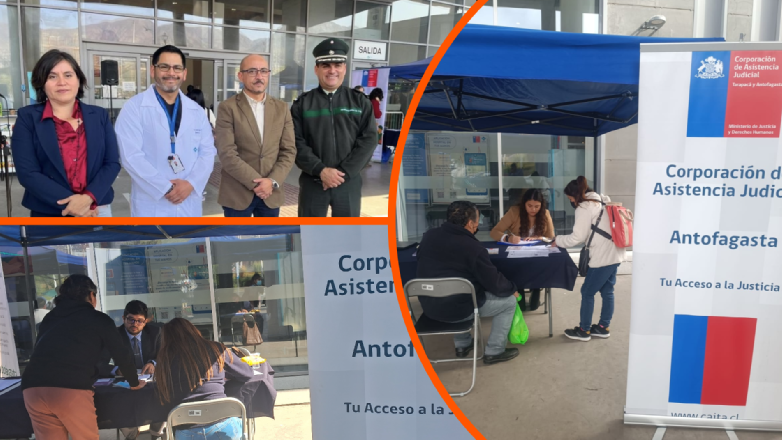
column 369, row 50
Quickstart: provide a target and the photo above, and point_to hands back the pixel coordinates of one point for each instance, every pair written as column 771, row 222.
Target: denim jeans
column 257, row 208
column 600, row 279
column 228, row 429
column 502, row 309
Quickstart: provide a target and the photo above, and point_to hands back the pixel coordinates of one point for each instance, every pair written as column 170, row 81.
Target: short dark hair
column 75, row 288
column 359, row 88
column 198, row 96
column 461, row 212
column 136, row 307
column 168, row 49
column 44, row 67
column 377, row 92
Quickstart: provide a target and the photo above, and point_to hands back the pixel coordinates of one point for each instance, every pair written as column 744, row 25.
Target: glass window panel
column 405, row 53
column 441, row 167
column 114, row 98
column 310, row 80
column 63, row 3
column 170, row 276
column 485, row 14
column 244, row 13
column 290, row 15
column 432, row 50
column 260, row 279
column 48, row 267
column 233, row 85
column 10, row 78
column 331, row 17
column 115, row 29
column 243, row 40
column 410, row 21
column 134, row 7
column 444, row 18
column 46, row 29
column 547, row 163
column 580, row 16
column 287, row 79
column 372, row 21
column 190, row 10
column 183, row 34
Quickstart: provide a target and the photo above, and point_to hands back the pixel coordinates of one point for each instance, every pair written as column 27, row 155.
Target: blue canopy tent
column 27, row 236
column 509, row 80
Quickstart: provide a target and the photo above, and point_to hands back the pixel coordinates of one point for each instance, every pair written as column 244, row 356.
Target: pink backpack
column 621, row 220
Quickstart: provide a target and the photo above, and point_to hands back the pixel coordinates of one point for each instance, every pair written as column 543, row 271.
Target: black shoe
column 578, row 334
column 534, row 300
column 463, row 352
column 598, row 331
column 507, row 355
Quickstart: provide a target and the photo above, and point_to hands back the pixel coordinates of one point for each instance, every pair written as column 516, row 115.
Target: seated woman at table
column 58, row 382
column 603, row 263
column 534, row 223
column 191, row 369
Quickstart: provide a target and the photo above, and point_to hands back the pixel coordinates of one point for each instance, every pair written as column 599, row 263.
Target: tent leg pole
column 596, row 170
column 28, row 286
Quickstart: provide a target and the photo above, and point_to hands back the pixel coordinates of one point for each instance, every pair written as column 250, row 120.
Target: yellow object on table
column 253, row 360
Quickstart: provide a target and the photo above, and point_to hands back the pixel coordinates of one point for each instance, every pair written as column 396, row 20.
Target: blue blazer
column 39, row 165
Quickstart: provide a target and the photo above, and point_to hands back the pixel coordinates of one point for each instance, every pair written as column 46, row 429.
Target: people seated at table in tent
column 534, row 223
column 142, row 342
column 191, row 369
column 58, row 382
column 451, row 250
column 604, row 259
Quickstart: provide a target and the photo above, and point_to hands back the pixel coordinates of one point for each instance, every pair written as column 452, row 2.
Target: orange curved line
column 392, row 196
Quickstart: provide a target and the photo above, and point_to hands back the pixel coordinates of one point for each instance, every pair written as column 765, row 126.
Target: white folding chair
column 205, row 412
column 425, row 326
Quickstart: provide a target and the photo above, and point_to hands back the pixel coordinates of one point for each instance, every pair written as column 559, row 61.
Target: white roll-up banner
column 366, row 381
column 9, row 363
column 707, row 264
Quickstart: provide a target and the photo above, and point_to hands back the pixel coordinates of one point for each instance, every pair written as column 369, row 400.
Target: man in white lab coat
column 166, row 143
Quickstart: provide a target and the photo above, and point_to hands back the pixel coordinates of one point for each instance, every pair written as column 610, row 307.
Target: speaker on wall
column 109, row 73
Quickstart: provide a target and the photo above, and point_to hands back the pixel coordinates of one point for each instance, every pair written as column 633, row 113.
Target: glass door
column 132, row 77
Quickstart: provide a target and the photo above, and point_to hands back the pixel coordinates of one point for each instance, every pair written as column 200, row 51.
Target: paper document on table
column 493, row 251
column 7, row 385
column 521, row 243
column 553, row 250
column 518, row 253
column 527, row 248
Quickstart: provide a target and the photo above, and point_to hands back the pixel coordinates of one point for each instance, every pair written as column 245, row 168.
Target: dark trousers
column 344, row 200
column 257, row 208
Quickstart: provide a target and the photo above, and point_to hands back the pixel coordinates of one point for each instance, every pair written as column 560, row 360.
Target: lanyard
column 171, row 119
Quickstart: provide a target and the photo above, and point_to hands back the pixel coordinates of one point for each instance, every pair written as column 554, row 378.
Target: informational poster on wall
column 366, row 382
column 460, row 167
column 9, row 363
column 416, row 165
column 706, row 300
column 372, row 79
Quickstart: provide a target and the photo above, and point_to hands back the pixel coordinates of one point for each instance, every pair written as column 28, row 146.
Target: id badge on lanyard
column 173, row 159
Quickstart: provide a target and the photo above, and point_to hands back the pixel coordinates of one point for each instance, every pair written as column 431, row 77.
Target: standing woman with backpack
column 604, row 258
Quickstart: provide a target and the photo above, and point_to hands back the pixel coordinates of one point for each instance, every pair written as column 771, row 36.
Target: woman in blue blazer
column 65, row 151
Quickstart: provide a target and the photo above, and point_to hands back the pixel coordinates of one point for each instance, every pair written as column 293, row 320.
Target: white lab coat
column 144, row 145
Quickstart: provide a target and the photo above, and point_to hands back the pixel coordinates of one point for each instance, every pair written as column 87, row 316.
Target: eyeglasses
column 165, row 68
column 132, row 321
column 255, row 72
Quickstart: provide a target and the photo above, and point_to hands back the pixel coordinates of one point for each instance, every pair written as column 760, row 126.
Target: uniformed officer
column 336, row 134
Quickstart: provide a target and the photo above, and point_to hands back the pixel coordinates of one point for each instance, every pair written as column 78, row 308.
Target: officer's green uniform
column 335, row 130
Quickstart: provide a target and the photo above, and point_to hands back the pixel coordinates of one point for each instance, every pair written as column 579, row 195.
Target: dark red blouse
column 73, row 149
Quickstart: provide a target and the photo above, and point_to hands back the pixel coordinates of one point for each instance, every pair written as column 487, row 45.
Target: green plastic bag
column 519, row 333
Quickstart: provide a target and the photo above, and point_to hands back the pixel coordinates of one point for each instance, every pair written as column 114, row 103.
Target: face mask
column 573, row 204
column 476, row 231
column 259, row 283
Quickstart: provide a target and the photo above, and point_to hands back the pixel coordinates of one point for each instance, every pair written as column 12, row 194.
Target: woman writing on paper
column 603, row 263
column 191, row 369
column 535, row 222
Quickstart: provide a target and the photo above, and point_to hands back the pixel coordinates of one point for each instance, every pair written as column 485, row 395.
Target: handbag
column 583, row 258
column 250, row 333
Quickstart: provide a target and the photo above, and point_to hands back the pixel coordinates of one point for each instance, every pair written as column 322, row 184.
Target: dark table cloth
column 555, row 271
column 122, row 408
